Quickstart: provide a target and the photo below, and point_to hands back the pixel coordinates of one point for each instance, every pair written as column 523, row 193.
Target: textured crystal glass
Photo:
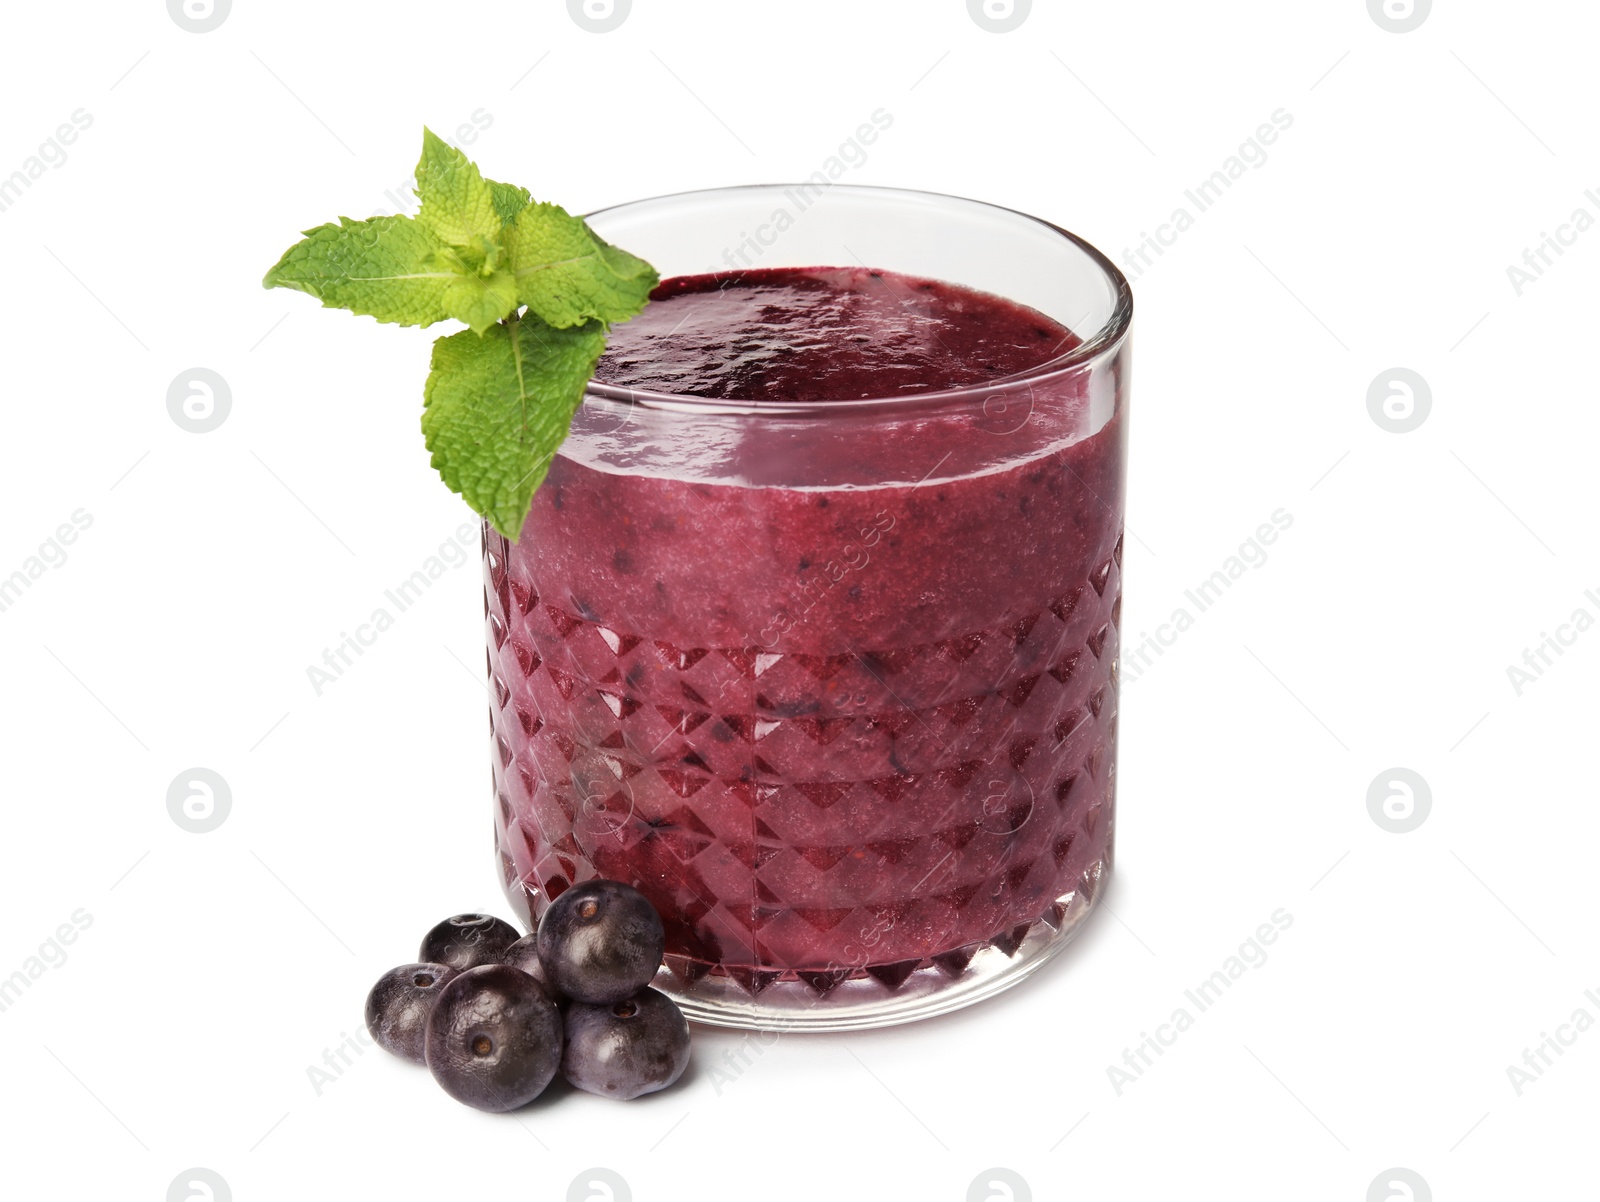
column 833, row 682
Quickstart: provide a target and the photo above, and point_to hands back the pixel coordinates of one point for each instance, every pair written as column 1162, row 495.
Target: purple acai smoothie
column 830, row 728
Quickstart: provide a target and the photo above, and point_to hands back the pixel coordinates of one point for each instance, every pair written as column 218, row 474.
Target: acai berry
column 632, row 1047
column 600, row 942
column 468, row 940
column 399, row 1004
column 494, row 1038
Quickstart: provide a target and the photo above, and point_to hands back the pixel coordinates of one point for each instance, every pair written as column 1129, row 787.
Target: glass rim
column 1110, row 334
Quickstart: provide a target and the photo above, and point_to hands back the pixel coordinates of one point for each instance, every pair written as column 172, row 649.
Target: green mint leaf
column 458, row 204
column 509, row 200
column 568, row 274
column 499, row 400
column 445, row 262
column 382, row 268
column 481, row 301
column 467, row 214
column 496, row 408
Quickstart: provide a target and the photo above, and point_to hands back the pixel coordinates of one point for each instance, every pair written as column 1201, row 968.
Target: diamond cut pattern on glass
column 786, row 837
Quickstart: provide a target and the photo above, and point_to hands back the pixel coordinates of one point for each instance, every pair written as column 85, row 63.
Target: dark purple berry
column 524, row 954
column 468, row 940
column 494, row 1038
column 628, row 1048
column 600, row 942
column 399, row 1004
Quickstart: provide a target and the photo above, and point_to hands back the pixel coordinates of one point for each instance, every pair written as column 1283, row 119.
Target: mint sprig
column 537, row 288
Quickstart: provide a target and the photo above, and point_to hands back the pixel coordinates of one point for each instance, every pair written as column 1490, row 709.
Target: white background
column 219, row 967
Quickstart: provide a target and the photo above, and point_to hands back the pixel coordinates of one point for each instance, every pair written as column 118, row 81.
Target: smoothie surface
column 823, row 333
